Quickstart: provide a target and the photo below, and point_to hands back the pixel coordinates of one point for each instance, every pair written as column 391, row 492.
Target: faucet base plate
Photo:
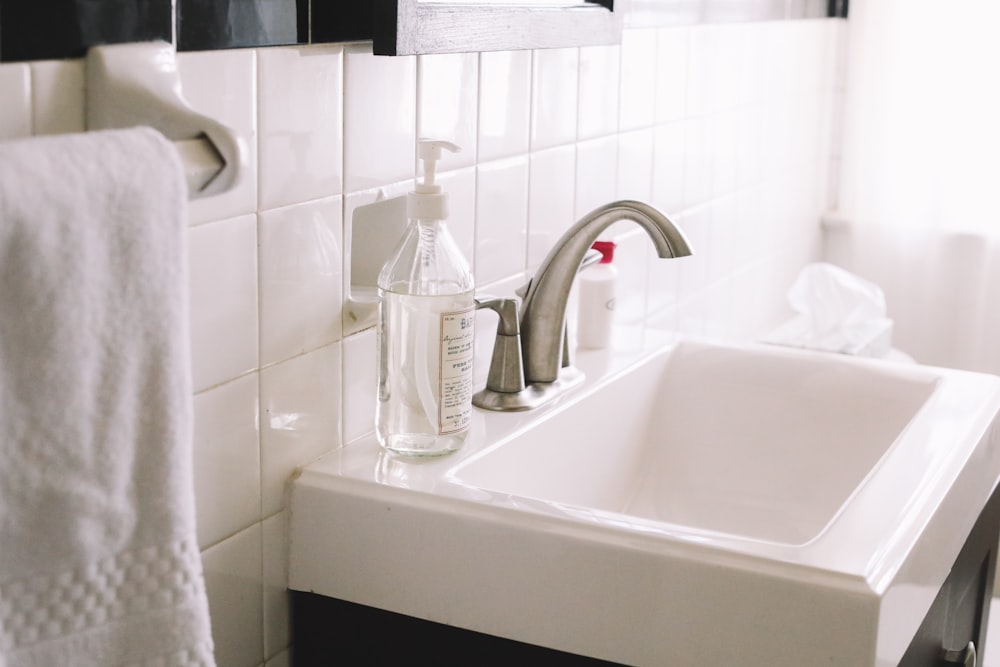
column 530, row 397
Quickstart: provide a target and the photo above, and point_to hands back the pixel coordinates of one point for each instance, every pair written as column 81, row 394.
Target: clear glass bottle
column 425, row 330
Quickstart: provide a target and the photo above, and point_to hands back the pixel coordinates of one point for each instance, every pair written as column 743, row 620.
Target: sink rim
column 362, row 467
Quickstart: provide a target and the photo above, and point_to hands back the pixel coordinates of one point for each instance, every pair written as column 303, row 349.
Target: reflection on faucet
column 543, row 360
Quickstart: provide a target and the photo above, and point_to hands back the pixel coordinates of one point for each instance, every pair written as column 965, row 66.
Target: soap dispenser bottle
column 597, row 299
column 425, row 330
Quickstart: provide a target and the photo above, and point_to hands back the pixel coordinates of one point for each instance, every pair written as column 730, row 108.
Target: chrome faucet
column 531, row 362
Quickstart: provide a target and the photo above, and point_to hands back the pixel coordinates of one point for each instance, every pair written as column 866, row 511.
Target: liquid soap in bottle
column 425, row 330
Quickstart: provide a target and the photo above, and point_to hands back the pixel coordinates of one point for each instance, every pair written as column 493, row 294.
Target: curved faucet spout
column 543, row 312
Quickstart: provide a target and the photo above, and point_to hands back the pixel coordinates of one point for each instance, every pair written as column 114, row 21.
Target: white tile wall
column 554, row 90
column 300, row 278
column 600, row 77
column 300, row 121
column 504, row 103
column 380, row 104
column 447, row 102
column 501, row 219
column 223, row 276
column 726, row 128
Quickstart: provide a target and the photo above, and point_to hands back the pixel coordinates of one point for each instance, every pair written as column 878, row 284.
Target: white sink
column 750, row 442
column 691, row 504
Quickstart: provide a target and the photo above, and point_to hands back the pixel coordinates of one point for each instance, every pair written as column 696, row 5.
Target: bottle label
column 457, row 337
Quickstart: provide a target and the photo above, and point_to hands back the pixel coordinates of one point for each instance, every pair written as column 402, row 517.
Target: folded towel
column 99, row 564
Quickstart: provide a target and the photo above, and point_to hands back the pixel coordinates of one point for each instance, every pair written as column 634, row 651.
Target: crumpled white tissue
column 837, row 311
column 834, row 300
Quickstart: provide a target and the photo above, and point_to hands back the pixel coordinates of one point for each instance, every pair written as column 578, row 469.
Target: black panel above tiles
column 342, row 20
column 45, row 29
column 222, row 24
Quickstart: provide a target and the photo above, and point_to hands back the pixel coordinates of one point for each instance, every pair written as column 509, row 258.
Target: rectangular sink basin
column 749, row 442
column 691, row 503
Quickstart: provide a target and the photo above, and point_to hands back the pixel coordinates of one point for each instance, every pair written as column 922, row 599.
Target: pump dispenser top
column 427, row 202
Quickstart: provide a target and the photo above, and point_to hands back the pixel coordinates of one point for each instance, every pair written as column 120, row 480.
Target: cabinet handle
column 965, row 657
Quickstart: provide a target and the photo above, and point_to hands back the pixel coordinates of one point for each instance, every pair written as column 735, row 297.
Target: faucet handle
column 506, row 370
column 506, row 308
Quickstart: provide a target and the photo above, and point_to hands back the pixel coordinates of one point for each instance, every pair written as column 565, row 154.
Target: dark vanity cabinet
column 326, row 631
column 954, row 630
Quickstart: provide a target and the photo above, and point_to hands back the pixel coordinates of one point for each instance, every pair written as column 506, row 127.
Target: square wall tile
column 300, row 418
column 234, row 582
column 750, row 216
column 668, row 167
column 776, row 60
column 226, row 460
column 697, row 160
column 300, row 100
column 223, row 300
column 698, row 97
column 223, row 85
column 748, row 73
column 360, row 384
column 504, row 103
column 501, row 219
column 596, row 174
column 751, row 146
column 57, row 97
column 638, row 85
column 301, row 281
column 447, row 102
column 635, row 165
column 729, row 57
column 554, row 89
column 671, row 73
column 15, row 113
column 551, row 199
column 600, row 68
column 724, row 131
column 727, row 254
column 809, row 42
column 380, row 97
column 749, row 319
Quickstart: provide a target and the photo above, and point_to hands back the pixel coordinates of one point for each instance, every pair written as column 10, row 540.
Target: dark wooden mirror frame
column 408, row 27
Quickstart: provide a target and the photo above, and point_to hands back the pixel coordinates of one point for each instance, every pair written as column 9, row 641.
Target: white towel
column 99, row 564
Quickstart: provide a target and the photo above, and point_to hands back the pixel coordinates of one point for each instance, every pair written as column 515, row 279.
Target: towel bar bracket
column 138, row 84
